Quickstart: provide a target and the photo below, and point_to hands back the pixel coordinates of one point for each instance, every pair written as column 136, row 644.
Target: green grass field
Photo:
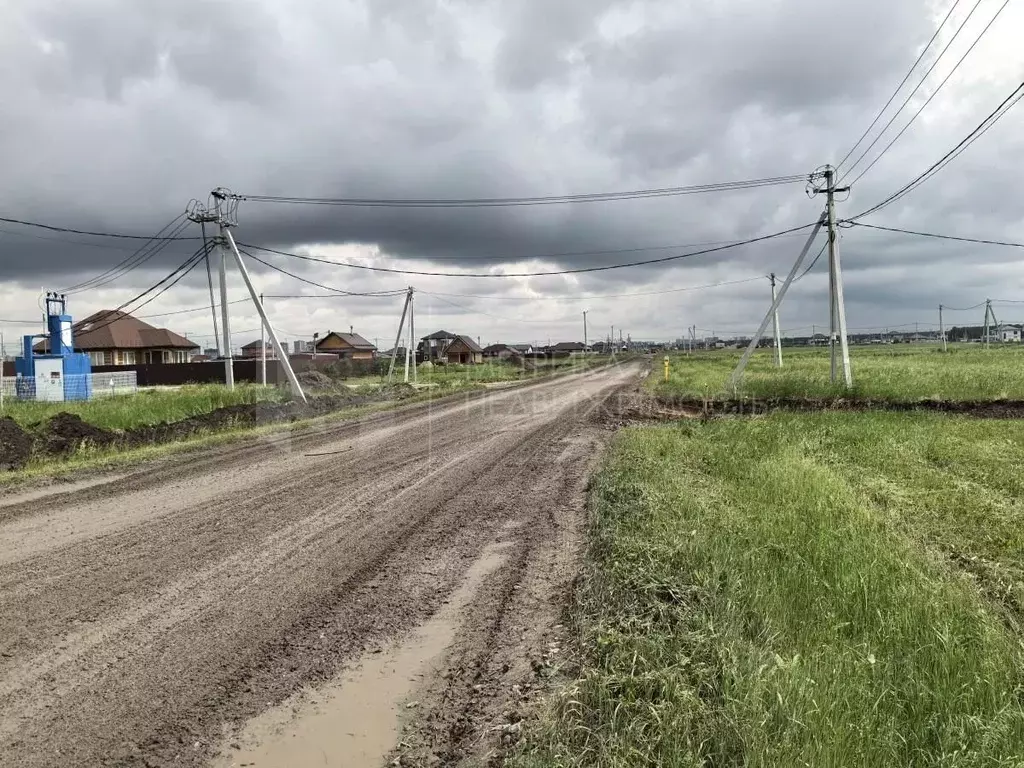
column 145, row 407
column 897, row 372
column 823, row 590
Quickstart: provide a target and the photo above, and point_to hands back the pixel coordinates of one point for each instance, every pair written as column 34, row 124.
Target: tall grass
column 146, row 406
column 756, row 596
column 904, row 373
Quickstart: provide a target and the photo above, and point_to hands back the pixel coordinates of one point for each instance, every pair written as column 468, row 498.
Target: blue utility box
column 60, row 373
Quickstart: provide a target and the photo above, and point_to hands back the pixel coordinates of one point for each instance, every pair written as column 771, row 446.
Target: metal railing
column 74, row 387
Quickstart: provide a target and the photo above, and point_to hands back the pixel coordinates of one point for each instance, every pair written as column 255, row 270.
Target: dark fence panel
column 212, row 372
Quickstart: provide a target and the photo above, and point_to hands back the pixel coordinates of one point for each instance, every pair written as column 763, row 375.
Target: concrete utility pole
column 775, row 320
column 213, row 302
column 837, row 305
column 584, row 331
column 942, row 329
column 229, row 360
column 279, row 351
column 412, row 333
column 398, row 336
column 263, row 351
column 611, row 340
column 988, row 332
column 737, row 373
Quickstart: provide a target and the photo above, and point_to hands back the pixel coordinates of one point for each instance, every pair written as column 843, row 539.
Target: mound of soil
column 315, row 380
column 15, row 445
column 693, row 406
column 65, row 433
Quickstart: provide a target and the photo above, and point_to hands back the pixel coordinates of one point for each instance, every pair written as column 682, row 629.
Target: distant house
column 500, row 352
column 1008, row 333
column 112, row 337
column 350, row 346
column 302, row 347
column 252, row 349
column 523, row 349
column 567, row 346
column 445, row 347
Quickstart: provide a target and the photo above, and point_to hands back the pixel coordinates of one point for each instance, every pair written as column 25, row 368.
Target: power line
column 932, row 96
column 1005, row 106
column 811, row 266
column 1008, row 243
column 916, row 87
column 148, row 250
column 577, row 270
column 164, row 284
column 602, row 296
column 486, row 202
column 900, row 86
column 69, row 230
column 338, row 291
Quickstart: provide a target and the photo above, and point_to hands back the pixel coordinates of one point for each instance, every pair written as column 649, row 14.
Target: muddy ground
column 664, row 407
column 153, row 618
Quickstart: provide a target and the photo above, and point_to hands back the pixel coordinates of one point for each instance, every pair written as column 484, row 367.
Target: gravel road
column 146, row 617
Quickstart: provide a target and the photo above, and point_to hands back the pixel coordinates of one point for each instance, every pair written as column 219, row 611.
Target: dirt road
column 204, row 610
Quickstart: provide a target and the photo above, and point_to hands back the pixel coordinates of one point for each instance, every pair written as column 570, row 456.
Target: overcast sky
column 118, row 112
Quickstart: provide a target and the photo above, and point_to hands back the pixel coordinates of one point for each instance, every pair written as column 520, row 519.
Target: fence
column 74, row 387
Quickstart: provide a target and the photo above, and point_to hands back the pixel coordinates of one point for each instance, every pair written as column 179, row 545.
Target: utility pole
column 224, row 216
column 942, row 329
column 837, row 305
column 611, row 340
column 775, row 320
column 263, row 351
column 229, row 360
column 988, row 311
column 213, row 302
column 412, row 333
column 398, row 336
column 584, row 332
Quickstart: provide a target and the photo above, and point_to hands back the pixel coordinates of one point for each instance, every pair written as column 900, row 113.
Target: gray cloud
column 117, row 113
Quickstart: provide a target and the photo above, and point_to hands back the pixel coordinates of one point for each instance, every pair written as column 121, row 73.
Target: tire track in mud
column 139, row 644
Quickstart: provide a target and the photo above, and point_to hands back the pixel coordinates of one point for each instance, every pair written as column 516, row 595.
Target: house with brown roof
column 112, row 337
column 444, row 347
column 252, row 349
column 350, row 346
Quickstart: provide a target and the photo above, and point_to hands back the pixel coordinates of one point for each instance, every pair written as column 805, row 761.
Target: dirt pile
column 683, row 407
column 315, row 380
column 15, row 445
column 65, row 433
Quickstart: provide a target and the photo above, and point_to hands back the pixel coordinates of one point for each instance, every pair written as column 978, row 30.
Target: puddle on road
column 355, row 720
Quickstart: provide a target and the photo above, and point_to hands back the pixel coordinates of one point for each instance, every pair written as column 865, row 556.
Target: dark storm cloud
column 118, row 112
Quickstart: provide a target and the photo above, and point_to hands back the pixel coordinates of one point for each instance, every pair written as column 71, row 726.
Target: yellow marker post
column 666, row 367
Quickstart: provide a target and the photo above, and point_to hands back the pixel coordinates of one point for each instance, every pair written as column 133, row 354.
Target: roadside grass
column 783, row 591
column 899, row 373
column 148, row 406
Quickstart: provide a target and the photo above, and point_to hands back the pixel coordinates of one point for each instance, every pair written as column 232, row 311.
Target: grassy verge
column 145, row 407
column 778, row 592
column 903, row 373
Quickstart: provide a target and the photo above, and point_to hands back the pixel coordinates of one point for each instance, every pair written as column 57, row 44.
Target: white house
column 1008, row 333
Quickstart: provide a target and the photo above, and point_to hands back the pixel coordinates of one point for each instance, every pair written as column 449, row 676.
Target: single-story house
column 445, row 347
column 501, row 352
column 252, row 349
column 113, row 337
column 523, row 349
column 350, row 346
column 1008, row 333
column 567, row 346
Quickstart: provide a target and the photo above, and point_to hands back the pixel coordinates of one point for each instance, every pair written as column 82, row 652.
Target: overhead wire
column 486, row 202
column 545, row 273
column 980, row 241
column 338, row 291
column 144, row 253
column 916, row 87
column 900, row 86
column 991, row 119
column 932, row 96
column 54, row 228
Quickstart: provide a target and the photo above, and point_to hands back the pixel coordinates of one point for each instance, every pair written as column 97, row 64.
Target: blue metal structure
column 60, row 373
